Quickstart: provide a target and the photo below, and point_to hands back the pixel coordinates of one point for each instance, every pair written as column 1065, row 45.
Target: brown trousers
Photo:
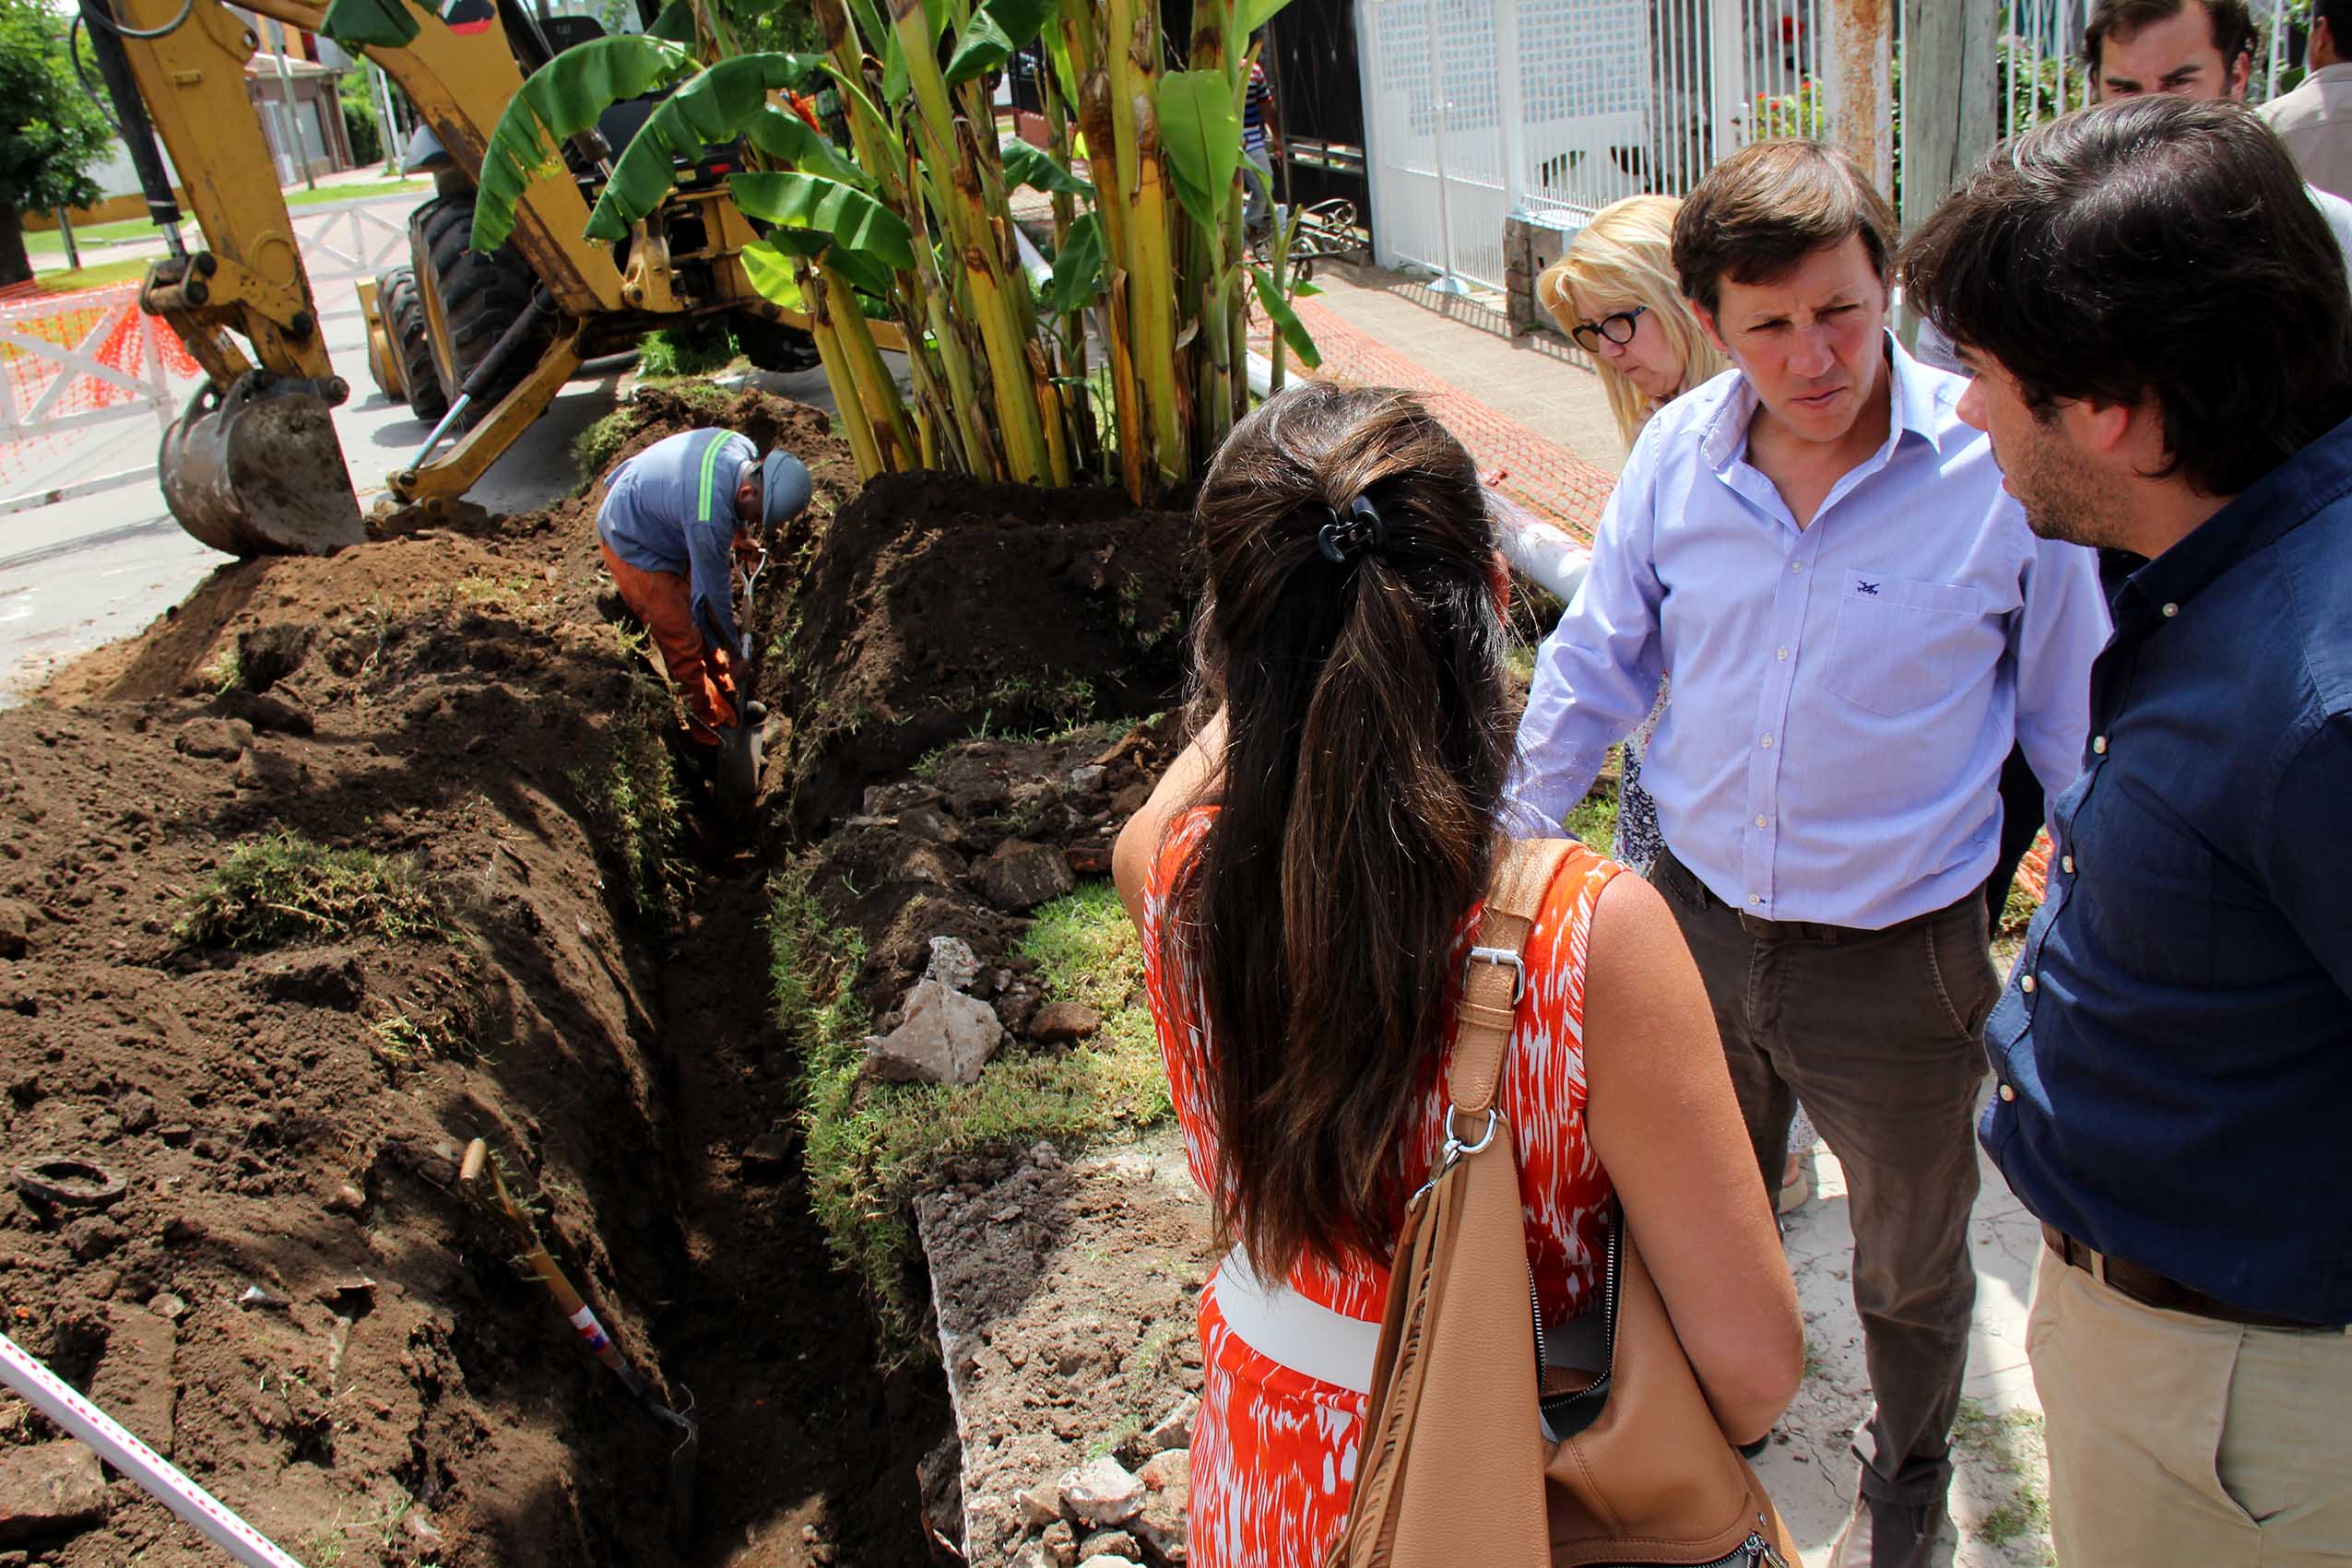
column 1876, row 1031
column 703, row 672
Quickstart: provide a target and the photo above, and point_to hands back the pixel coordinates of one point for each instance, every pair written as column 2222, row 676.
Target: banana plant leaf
column 770, row 270
column 1026, row 165
column 676, row 23
column 867, row 275
column 873, row 26
column 855, row 221
column 996, row 29
column 1077, row 271
column 562, row 98
column 896, row 82
column 1256, row 14
column 1201, row 132
column 728, row 100
column 354, row 24
column 1285, row 320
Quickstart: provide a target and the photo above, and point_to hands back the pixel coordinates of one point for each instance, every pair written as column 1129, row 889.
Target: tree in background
column 359, row 115
column 53, row 131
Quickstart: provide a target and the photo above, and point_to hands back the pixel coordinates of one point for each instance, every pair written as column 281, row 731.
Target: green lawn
column 66, row 280
column 49, row 242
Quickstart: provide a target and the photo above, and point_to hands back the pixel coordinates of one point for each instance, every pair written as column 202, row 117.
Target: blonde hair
column 1626, row 252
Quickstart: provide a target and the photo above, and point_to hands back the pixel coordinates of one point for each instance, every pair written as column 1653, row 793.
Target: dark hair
column 1761, row 211
column 1366, row 743
column 2337, row 15
column 2234, row 33
column 2155, row 247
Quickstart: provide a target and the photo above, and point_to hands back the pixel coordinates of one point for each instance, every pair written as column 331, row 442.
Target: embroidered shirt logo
column 1862, row 587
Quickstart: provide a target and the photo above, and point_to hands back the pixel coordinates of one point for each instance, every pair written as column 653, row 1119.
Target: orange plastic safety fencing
column 71, row 361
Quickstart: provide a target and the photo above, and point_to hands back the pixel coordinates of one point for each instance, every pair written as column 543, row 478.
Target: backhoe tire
column 404, row 316
column 470, row 299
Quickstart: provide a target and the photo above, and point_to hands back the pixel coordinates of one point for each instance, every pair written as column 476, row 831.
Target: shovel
column 740, row 745
column 494, row 1198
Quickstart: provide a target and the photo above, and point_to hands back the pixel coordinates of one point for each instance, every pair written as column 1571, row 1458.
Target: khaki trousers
column 2179, row 1440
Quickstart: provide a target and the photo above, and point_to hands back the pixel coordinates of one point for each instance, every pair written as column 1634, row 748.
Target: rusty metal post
column 1856, row 66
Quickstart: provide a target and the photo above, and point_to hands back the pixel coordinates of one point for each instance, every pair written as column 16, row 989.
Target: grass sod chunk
column 634, row 806
column 872, row 1145
column 287, row 889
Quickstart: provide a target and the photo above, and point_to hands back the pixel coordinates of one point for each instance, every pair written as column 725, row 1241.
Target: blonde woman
column 1615, row 295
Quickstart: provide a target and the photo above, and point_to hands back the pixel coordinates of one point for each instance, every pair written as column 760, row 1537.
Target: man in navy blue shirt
column 2162, row 347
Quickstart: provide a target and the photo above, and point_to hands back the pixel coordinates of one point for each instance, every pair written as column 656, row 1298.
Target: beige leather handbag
column 1468, row 1456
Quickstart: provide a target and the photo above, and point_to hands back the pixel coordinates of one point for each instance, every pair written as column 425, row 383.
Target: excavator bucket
column 259, row 471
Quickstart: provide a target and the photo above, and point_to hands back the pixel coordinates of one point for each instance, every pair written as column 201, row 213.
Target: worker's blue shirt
column 671, row 507
column 2175, row 1048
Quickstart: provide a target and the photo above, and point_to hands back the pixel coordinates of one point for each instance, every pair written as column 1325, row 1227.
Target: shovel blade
column 260, row 471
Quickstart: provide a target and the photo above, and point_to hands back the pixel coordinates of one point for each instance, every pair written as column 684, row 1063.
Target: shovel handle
column 576, row 1310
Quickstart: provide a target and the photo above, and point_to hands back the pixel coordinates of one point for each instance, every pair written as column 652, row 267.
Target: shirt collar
column 2339, row 72
column 1922, row 403
column 2267, row 510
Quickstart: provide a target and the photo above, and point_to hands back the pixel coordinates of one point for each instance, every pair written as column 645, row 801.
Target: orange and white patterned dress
column 1274, row 1450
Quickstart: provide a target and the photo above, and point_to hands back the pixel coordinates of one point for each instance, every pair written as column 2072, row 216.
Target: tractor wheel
column 470, row 299
column 384, row 358
column 404, row 318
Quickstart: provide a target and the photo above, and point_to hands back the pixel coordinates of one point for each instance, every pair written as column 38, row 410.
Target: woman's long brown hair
column 1366, row 745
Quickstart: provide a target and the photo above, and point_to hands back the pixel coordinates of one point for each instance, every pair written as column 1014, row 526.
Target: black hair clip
column 1347, row 533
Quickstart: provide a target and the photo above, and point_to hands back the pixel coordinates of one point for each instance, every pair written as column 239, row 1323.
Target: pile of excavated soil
column 292, row 1297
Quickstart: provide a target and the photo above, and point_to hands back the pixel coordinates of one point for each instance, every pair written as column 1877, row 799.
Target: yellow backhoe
column 254, row 465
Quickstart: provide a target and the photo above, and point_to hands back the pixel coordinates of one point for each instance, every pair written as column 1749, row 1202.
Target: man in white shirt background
column 2315, row 119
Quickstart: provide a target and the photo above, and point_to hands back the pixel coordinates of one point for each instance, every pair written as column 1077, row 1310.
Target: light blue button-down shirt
column 1844, row 694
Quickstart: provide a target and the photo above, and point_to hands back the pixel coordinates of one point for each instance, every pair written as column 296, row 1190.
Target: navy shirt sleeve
column 2307, row 854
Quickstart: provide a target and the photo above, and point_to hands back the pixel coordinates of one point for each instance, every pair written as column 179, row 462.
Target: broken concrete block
column 1021, row 876
column 1061, row 1544
column 1038, row 1504
column 945, row 1037
column 134, row 1383
column 1175, row 1429
column 48, row 1488
column 1160, row 1522
column 1058, row 1023
column 1102, row 1493
column 954, row 963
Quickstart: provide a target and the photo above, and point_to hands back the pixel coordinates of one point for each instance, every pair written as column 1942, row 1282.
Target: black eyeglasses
column 1617, row 328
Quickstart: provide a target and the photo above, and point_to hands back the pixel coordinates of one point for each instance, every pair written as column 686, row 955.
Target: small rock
column 1038, row 1504
column 1032, row 1554
column 93, row 1237
column 16, row 927
column 945, row 1037
column 136, row 1111
column 1057, row 1023
column 1021, row 876
column 1017, row 1004
column 223, row 740
column 1161, row 1521
column 1107, row 1560
column 164, row 1304
column 954, row 963
column 1103, row 1492
column 181, row 1229
column 1088, row 779
column 929, row 824
column 1175, row 1429
column 350, row 1296
column 344, row 1199
column 765, row 1157
column 1129, row 801
column 256, row 1298
column 418, row 1526
column 1061, row 1544
column 48, row 1488
column 1109, row 1544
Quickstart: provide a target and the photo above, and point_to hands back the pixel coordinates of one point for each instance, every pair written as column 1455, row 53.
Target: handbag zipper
column 1753, row 1552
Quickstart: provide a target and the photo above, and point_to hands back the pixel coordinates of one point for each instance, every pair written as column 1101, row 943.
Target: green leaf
column 873, row 27
column 354, row 24
column 895, row 84
column 1301, row 290
column 771, row 273
column 854, row 219
column 1027, row 165
column 1201, row 132
column 860, row 269
column 997, row 28
column 785, row 136
column 1077, row 271
column 562, row 98
column 728, row 100
column 1286, row 320
column 676, row 23
column 1256, row 14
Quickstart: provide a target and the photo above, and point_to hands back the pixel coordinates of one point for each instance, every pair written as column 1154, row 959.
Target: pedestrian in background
column 2315, row 119
column 1857, row 625
column 2174, row 1050
column 1306, row 880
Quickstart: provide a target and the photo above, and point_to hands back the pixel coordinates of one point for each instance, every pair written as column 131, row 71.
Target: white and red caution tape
column 164, row 1480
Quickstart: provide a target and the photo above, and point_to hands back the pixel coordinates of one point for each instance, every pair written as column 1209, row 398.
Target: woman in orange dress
column 1306, row 879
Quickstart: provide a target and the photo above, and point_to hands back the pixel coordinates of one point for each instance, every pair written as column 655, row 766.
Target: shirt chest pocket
column 1900, row 644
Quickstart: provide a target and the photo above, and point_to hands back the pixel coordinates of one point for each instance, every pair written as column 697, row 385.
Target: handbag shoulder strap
column 1523, row 872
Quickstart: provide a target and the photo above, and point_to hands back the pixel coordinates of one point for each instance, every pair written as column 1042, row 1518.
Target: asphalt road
column 83, row 571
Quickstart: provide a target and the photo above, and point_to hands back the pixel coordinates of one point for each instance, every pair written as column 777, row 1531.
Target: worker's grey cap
column 784, row 487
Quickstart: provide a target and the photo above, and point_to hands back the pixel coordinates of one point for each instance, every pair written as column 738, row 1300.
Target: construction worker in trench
column 675, row 518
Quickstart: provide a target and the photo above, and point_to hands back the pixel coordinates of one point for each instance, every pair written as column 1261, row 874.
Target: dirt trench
column 287, row 1119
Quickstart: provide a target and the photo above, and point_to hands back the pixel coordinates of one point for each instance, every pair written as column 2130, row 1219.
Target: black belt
column 2150, row 1289
column 1788, row 930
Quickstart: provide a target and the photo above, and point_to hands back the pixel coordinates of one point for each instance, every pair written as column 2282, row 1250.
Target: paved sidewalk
column 1536, row 411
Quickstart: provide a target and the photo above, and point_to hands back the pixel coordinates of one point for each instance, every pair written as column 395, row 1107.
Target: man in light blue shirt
column 1857, row 624
column 674, row 518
